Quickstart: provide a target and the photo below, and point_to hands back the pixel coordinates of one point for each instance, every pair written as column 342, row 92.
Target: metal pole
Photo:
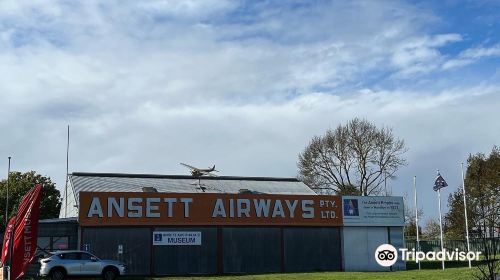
column 465, row 213
column 10, row 252
column 416, row 214
column 11, row 237
column 7, row 202
column 440, row 224
column 67, row 174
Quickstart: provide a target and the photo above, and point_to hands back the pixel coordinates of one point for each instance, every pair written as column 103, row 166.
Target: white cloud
column 187, row 8
column 146, row 85
column 472, row 55
column 421, row 54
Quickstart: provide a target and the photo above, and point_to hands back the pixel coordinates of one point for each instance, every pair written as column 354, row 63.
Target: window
column 86, row 257
column 47, row 244
column 43, row 245
column 60, row 243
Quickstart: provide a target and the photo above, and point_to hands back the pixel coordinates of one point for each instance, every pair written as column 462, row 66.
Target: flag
column 439, row 183
column 25, row 232
column 6, row 239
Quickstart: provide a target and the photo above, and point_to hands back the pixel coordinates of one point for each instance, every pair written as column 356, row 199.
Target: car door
column 71, row 262
column 90, row 265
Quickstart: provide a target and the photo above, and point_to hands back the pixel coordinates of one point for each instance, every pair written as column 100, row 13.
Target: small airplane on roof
column 198, row 172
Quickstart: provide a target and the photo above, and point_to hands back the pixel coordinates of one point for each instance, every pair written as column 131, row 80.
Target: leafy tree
column 410, row 230
column 20, row 184
column 482, row 187
column 431, row 230
column 354, row 158
column 483, row 180
column 454, row 219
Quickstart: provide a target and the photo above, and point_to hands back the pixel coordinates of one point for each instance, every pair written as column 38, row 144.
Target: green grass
column 427, row 274
column 410, row 265
column 431, row 270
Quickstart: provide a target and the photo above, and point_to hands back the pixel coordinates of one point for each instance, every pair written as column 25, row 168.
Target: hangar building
column 181, row 225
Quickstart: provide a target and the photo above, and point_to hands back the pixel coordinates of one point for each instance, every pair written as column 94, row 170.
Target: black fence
column 461, row 245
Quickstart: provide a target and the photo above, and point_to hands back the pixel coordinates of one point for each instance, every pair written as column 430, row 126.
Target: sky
column 245, row 85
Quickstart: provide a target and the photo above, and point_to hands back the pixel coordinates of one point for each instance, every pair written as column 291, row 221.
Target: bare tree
column 354, row 158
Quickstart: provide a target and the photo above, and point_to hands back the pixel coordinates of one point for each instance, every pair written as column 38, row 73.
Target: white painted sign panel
column 373, row 211
column 177, row 238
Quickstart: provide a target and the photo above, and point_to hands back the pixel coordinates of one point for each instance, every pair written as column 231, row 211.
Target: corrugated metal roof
column 108, row 182
column 113, row 182
column 59, row 220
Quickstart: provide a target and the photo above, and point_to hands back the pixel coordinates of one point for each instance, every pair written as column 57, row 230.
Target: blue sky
column 245, row 84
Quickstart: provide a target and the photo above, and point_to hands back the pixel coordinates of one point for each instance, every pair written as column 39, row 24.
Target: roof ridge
column 158, row 176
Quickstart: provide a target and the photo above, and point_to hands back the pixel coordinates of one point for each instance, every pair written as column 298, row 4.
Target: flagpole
column 11, row 251
column 6, row 268
column 440, row 222
column 416, row 214
column 465, row 214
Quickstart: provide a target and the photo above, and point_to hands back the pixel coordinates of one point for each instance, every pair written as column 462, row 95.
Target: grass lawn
column 427, row 274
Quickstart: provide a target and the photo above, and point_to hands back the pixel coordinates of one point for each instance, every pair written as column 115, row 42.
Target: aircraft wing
column 189, row 166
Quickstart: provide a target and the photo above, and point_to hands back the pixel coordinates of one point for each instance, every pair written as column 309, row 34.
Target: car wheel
column 57, row 274
column 109, row 274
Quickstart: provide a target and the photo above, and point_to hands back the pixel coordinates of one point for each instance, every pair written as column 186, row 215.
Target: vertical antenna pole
column 67, row 176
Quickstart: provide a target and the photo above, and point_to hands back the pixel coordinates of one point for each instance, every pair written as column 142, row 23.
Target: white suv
column 79, row 263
